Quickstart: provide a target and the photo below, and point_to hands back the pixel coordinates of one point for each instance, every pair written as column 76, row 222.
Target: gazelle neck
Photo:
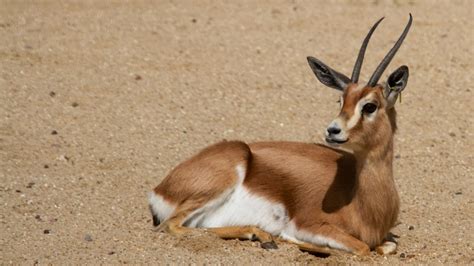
column 375, row 164
column 376, row 195
column 378, row 160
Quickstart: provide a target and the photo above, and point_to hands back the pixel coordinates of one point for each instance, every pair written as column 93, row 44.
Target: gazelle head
column 367, row 115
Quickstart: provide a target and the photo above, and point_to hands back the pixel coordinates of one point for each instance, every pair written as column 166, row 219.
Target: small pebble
column 402, row 255
column 111, row 252
column 18, row 191
column 54, row 132
column 411, row 227
column 46, row 231
column 397, row 156
column 193, row 20
column 52, row 93
column 38, row 217
column 74, row 104
column 138, row 77
column 31, row 184
column 88, row 238
column 458, row 192
column 46, row 166
column 452, row 134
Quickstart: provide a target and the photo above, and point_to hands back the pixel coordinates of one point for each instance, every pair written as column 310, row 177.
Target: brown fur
column 205, row 175
column 349, row 197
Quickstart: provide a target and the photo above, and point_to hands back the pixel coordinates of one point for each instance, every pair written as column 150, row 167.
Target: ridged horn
column 360, row 57
column 383, row 65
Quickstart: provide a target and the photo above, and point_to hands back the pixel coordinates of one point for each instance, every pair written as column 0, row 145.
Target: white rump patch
column 160, row 207
column 291, row 233
column 241, row 172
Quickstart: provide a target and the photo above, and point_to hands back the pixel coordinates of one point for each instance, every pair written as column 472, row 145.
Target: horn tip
column 410, row 20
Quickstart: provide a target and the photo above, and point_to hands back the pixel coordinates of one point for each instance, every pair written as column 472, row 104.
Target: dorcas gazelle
column 342, row 196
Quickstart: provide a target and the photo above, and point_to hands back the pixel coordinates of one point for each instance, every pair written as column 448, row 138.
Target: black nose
column 334, row 130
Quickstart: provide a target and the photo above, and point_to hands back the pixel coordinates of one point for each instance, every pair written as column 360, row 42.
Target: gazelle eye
column 369, row 108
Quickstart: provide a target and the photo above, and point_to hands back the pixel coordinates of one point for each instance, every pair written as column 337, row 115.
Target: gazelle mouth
column 337, row 141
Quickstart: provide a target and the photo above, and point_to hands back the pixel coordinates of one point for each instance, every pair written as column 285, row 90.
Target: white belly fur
column 238, row 207
column 241, row 208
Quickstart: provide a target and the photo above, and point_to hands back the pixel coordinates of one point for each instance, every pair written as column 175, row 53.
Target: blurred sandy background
column 100, row 99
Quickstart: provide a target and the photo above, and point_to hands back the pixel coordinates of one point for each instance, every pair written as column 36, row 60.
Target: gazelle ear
column 396, row 83
column 328, row 76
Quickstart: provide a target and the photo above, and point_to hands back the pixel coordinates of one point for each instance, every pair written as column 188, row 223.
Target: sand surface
column 100, row 99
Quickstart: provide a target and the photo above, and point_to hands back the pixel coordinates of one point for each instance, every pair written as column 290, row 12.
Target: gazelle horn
column 383, row 65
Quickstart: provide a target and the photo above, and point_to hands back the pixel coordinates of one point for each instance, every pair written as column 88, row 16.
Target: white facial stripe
column 352, row 122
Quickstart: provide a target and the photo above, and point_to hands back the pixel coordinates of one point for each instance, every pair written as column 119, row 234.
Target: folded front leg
column 245, row 232
column 333, row 237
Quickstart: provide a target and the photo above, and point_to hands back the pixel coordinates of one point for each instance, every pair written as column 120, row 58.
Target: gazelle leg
column 338, row 239
column 311, row 248
column 245, row 232
column 389, row 246
column 174, row 225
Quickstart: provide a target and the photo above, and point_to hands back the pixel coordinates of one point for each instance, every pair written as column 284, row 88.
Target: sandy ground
column 99, row 100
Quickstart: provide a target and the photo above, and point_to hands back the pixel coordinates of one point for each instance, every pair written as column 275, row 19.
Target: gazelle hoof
column 387, row 248
column 269, row 245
